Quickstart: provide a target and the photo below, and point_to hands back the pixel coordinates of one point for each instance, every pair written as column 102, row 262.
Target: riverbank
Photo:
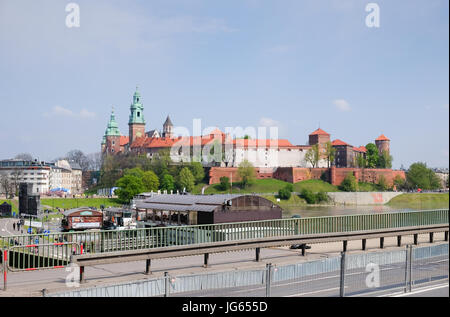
column 420, row 201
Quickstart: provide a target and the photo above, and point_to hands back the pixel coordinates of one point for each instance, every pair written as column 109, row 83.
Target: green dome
column 113, row 127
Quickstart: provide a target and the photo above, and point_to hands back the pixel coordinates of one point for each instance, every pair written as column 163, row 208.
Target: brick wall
column 296, row 174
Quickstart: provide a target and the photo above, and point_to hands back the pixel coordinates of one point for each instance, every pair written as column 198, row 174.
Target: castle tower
column 136, row 123
column 382, row 143
column 167, row 128
column 321, row 138
column 111, row 139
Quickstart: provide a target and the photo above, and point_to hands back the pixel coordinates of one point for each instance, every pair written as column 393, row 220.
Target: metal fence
column 107, row 241
column 345, row 275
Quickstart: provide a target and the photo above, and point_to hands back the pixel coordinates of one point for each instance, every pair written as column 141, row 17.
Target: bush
column 321, row 197
column 349, row 184
column 382, row 183
column 284, row 193
column 224, row 183
column 309, row 196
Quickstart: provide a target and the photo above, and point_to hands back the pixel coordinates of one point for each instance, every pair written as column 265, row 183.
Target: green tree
column 382, row 183
column 312, row 155
column 308, row 195
column 385, row 160
column 361, row 161
column 322, row 197
column 285, row 192
column 150, row 181
column 399, row 182
column 372, row 156
column 420, row 176
column 247, row 173
column 330, row 153
column 198, row 171
column 224, row 183
column 167, row 182
column 128, row 187
column 137, row 171
column 349, row 184
column 186, row 180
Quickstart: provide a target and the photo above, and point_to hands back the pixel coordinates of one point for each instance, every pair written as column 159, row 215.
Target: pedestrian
column 14, row 226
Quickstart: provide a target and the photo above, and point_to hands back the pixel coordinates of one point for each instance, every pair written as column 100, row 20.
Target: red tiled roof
column 319, row 132
column 360, row 149
column 339, row 142
column 124, row 140
column 279, row 143
column 382, row 138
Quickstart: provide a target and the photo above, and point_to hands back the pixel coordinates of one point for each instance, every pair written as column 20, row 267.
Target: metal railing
column 133, row 239
column 359, row 274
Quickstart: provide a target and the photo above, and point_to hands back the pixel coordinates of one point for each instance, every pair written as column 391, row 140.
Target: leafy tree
column 198, row 171
column 312, row 155
column 150, row 181
column 129, row 186
column 330, row 153
column 361, row 161
column 186, row 180
column 284, row 193
column 419, row 176
column 308, row 195
column 382, row 183
column 399, row 182
column 385, row 160
column 372, row 156
column 349, row 184
column 246, row 172
column 167, row 182
column 224, row 183
column 138, row 172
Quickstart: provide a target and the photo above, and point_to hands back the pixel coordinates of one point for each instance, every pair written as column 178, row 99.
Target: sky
column 294, row 64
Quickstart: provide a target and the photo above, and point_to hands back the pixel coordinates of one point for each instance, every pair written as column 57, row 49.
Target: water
column 320, row 211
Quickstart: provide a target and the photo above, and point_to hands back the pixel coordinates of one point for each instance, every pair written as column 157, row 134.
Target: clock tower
column 136, row 123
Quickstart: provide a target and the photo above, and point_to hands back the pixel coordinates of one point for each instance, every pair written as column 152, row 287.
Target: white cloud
column 268, row 122
column 342, row 105
column 58, row 111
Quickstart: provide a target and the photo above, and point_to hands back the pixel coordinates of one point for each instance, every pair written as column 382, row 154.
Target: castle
column 267, row 155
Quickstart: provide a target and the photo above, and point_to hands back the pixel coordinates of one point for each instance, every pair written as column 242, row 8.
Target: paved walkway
column 32, row 283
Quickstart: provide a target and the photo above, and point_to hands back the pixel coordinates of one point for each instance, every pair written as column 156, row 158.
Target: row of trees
column 136, row 180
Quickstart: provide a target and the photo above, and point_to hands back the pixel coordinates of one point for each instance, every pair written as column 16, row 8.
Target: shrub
column 382, row 183
column 321, row 197
column 309, row 196
column 284, row 193
column 224, row 183
column 349, row 184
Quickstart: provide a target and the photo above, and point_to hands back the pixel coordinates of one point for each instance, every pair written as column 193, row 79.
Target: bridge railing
column 114, row 240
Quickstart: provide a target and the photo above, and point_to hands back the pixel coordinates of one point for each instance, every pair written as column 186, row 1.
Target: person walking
column 14, row 226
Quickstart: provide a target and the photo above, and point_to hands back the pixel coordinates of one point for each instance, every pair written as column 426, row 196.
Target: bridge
column 103, row 247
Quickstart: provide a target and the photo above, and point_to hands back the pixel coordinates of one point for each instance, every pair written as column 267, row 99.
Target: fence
column 345, row 275
column 107, row 241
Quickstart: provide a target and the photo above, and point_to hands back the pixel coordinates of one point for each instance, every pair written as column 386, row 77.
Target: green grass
column 420, row 201
column 69, row 203
column 268, row 186
column 259, row 186
column 315, row 185
column 368, row 187
column 294, row 201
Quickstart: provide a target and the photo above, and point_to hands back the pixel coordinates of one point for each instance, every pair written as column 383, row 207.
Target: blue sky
column 295, row 64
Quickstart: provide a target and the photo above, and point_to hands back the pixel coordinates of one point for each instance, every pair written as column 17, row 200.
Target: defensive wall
column 362, row 198
column 296, row 174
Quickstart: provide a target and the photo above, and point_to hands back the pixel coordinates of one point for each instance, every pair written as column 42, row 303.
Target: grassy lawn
column 315, row 185
column 268, row 186
column 420, row 201
column 368, row 187
column 259, row 186
column 69, row 203
column 294, row 201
